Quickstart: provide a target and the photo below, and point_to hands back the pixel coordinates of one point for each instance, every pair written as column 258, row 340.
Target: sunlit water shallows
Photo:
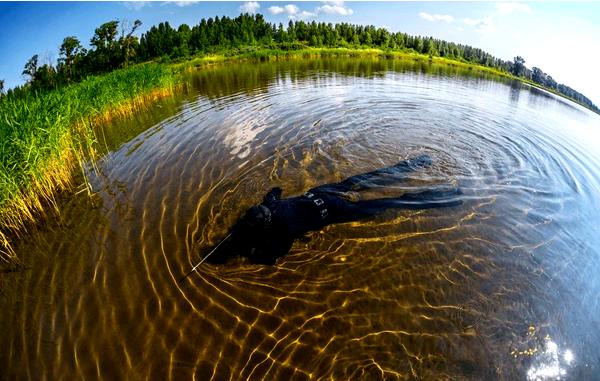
column 505, row 286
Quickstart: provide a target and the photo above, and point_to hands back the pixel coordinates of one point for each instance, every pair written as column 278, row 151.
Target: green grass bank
column 264, row 54
column 47, row 137
column 257, row 54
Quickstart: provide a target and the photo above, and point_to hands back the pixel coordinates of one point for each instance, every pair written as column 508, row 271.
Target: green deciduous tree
column 70, row 50
column 538, row 76
column 106, row 47
column 31, row 67
column 105, row 35
column 518, row 66
column 128, row 42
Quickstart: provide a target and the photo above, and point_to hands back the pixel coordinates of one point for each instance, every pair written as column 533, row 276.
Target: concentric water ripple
column 485, row 290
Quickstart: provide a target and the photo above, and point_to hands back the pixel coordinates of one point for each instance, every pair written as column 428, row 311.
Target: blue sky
column 562, row 38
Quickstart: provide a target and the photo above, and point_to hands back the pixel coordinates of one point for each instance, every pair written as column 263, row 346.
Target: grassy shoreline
column 47, row 137
column 242, row 55
column 306, row 53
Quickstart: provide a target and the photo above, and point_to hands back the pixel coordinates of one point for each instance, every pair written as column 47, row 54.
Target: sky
column 561, row 38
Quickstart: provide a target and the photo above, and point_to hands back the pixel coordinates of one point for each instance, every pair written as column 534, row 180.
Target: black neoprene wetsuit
column 285, row 219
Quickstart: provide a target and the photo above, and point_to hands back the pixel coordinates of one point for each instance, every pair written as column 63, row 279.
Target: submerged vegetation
column 45, row 136
column 47, row 125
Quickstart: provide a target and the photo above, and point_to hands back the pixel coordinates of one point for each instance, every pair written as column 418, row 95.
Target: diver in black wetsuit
column 267, row 231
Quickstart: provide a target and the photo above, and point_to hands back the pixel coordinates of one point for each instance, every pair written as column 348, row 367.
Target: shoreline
column 36, row 188
column 265, row 54
column 30, row 196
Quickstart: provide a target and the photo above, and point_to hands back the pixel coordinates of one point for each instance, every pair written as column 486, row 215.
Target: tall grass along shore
column 274, row 54
column 46, row 137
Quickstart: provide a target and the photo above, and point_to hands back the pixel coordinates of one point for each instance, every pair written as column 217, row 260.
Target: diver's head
column 246, row 238
column 257, row 217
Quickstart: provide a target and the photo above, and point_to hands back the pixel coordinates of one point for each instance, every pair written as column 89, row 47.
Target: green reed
column 44, row 136
column 257, row 53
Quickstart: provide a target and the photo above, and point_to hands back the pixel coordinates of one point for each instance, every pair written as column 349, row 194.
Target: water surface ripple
column 505, row 286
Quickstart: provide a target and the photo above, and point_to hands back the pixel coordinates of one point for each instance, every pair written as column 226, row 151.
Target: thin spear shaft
column 204, row 259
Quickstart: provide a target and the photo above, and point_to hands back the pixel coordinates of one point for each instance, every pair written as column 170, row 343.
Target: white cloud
column 335, row 8
column 302, row 15
column 488, row 23
column 294, row 13
column 185, row 3
column 275, row 10
column 291, row 9
column 436, row 17
column 506, row 8
column 306, row 14
column 136, row 5
column 249, row 7
column 485, row 24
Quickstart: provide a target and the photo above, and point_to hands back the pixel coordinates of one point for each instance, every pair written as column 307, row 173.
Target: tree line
column 114, row 45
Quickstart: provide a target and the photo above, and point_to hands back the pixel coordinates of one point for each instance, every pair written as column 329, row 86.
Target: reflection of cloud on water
column 551, row 364
column 242, row 133
column 240, row 138
column 244, row 124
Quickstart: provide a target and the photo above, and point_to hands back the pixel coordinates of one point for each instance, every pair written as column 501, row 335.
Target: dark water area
column 505, row 286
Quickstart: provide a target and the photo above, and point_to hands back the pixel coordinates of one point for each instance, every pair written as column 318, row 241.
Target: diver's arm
column 276, row 245
column 273, row 195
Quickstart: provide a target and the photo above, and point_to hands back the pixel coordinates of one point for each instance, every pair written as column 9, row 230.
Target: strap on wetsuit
column 319, row 203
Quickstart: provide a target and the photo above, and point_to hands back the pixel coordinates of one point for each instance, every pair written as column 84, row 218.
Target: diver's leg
column 352, row 211
column 383, row 176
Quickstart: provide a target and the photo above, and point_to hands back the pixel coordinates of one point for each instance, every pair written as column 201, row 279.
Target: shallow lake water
column 505, row 286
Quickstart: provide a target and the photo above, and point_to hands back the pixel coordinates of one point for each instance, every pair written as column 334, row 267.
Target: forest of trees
column 114, row 46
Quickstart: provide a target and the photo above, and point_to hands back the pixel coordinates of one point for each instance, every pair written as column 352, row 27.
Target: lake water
column 505, row 286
